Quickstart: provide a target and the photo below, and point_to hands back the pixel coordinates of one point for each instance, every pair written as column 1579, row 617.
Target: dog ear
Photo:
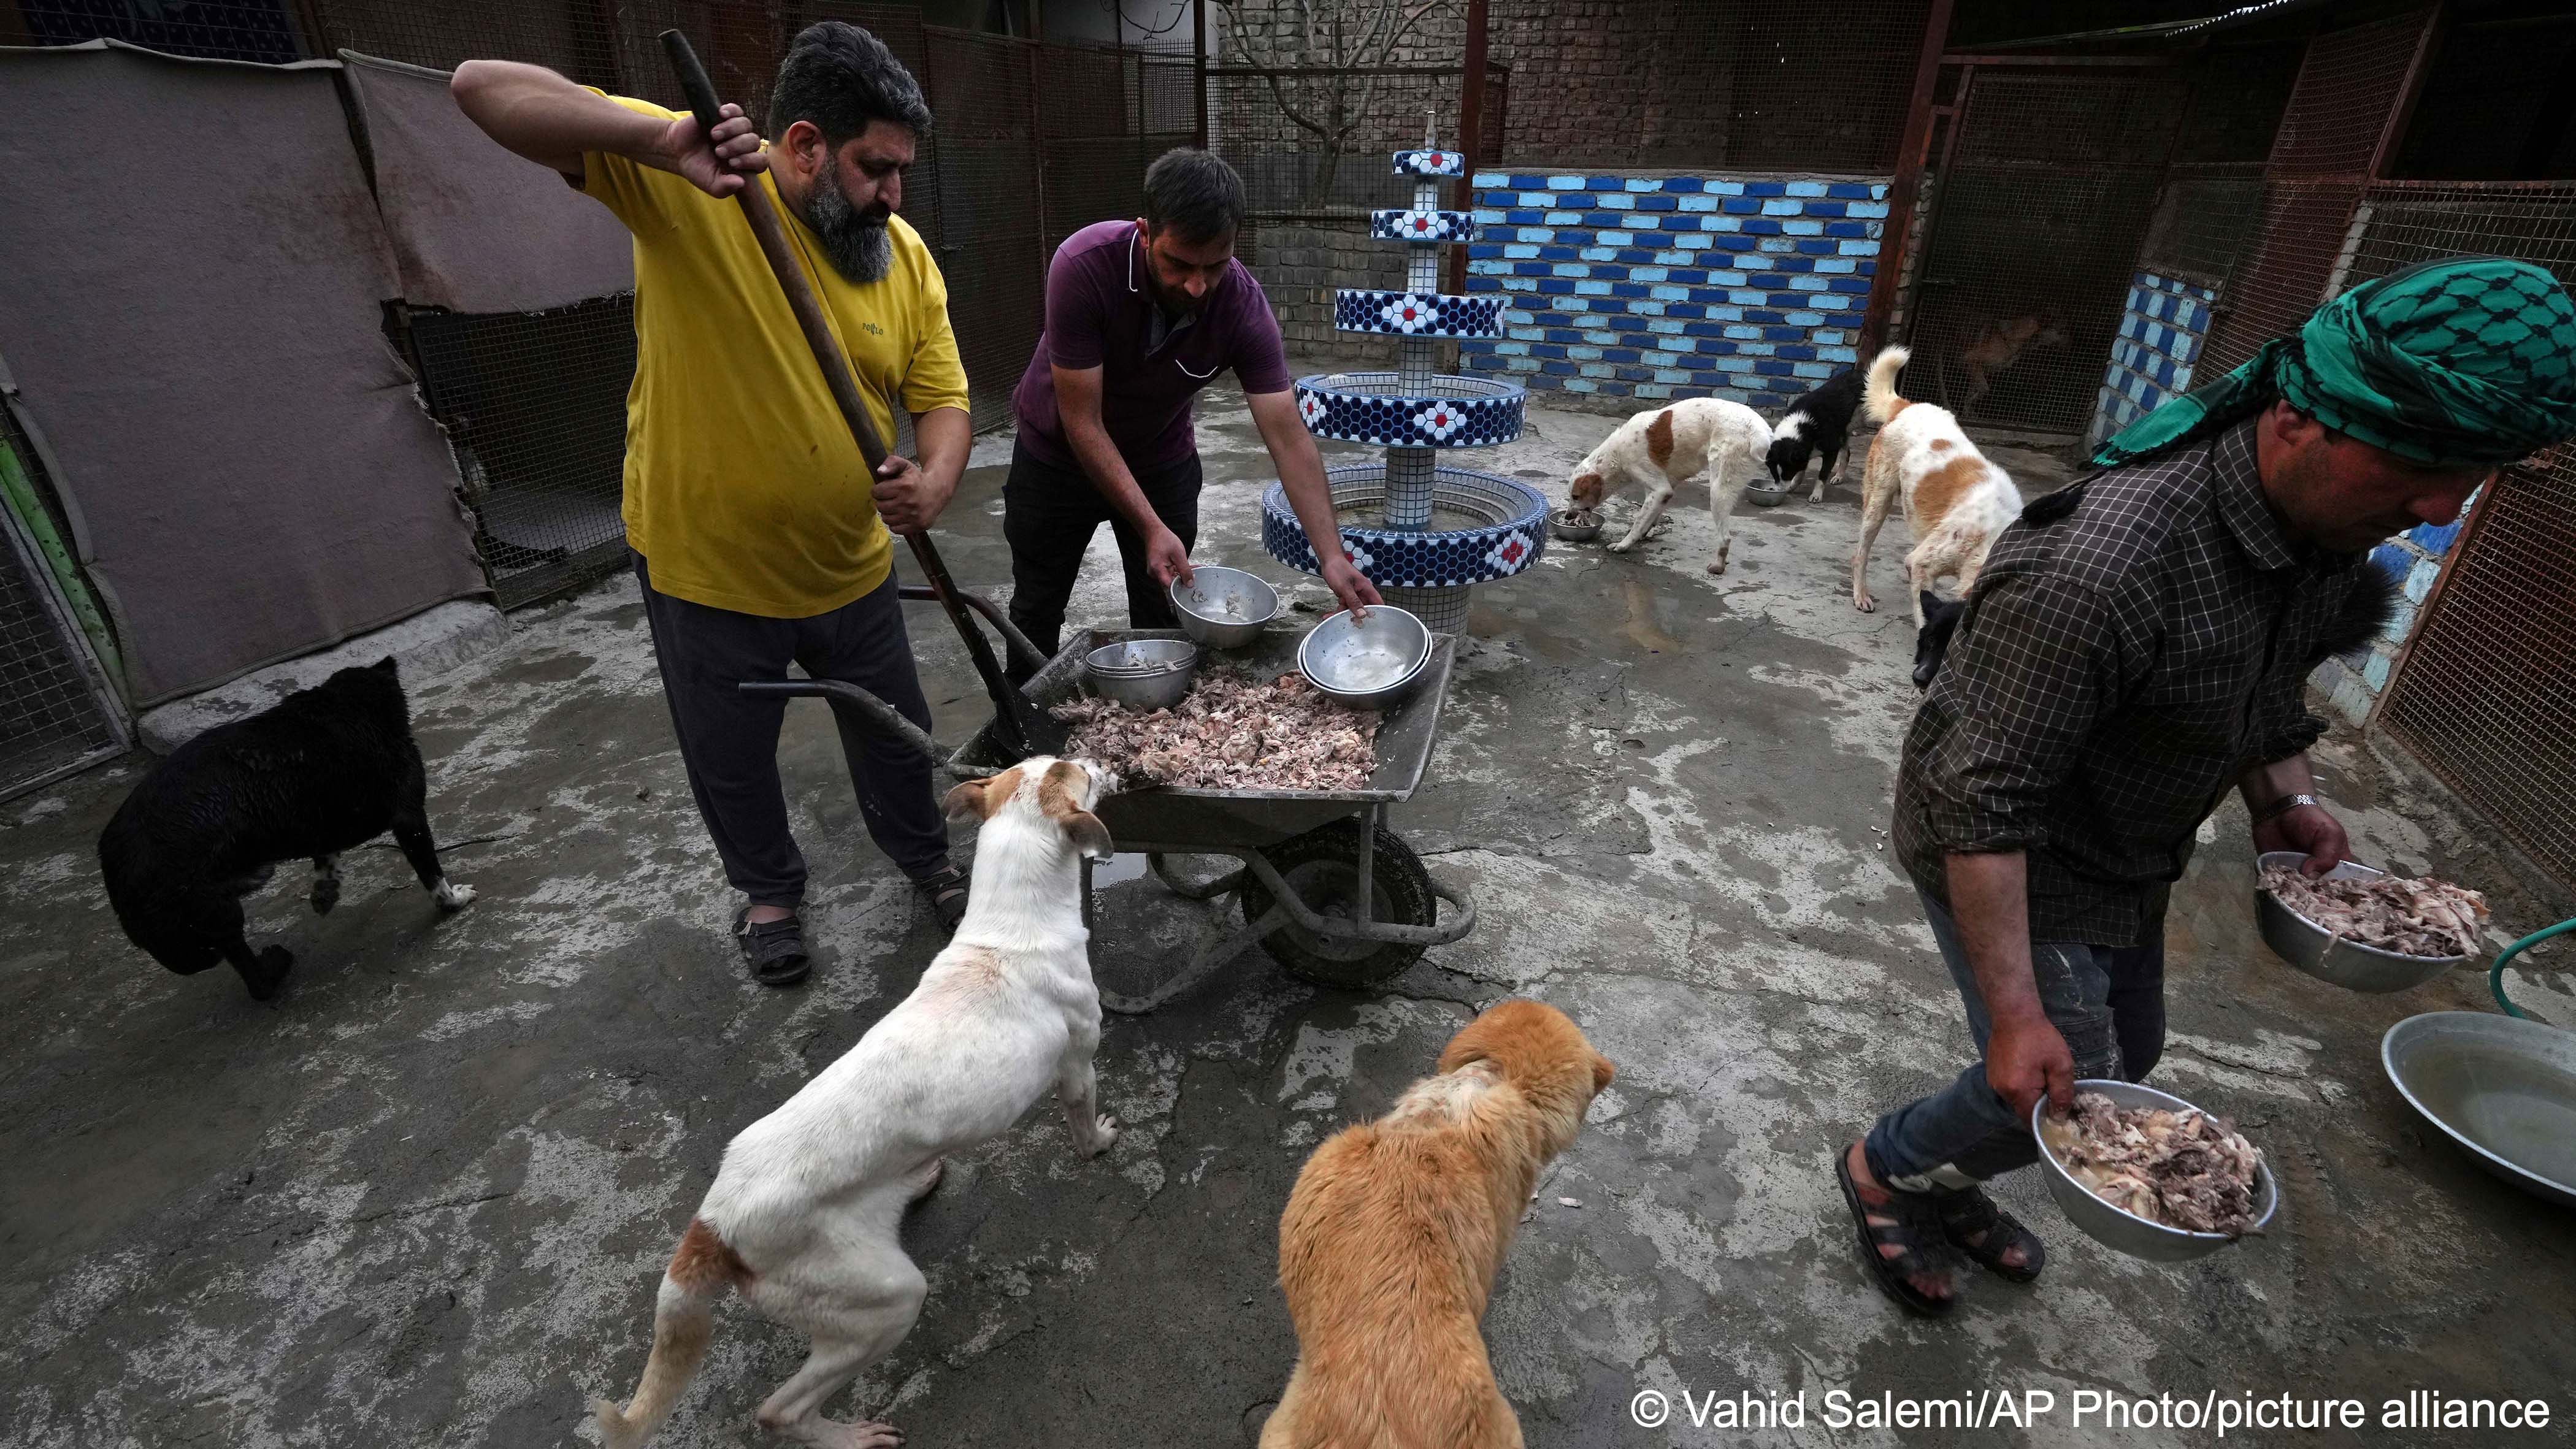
column 388, row 665
column 965, row 803
column 1090, row 838
column 1602, row 1071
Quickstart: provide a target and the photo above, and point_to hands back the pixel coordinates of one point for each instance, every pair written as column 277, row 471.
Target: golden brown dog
column 1392, row 1238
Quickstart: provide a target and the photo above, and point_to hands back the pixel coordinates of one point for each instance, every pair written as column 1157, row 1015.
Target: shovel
column 1019, row 726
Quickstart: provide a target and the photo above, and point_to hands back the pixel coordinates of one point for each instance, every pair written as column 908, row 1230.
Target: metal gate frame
column 104, row 697
column 1956, row 117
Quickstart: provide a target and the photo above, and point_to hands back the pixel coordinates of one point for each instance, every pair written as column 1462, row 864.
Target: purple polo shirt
column 1100, row 313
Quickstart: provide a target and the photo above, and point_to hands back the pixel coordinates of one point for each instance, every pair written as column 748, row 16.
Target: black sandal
column 946, row 888
column 1916, row 1231
column 775, row 950
column 1985, row 1232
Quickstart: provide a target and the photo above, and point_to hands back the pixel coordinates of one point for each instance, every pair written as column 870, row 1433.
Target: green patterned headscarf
column 2464, row 360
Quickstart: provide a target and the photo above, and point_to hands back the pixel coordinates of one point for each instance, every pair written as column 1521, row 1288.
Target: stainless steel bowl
column 1766, row 494
column 1575, row 525
column 2349, row 964
column 2119, row 1228
column 1224, row 608
column 1370, row 662
column 1142, row 674
column 2502, row 1087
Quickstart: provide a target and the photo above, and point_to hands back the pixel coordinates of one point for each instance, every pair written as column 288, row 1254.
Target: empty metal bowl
column 1371, row 661
column 1575, row 525
column 2349, row 964
column 1142, row 674
column 2119, row 1228
column 2503, row 1087
column 1224, row 608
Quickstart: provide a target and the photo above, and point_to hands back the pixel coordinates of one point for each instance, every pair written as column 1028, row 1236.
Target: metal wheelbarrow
column 1324, row 884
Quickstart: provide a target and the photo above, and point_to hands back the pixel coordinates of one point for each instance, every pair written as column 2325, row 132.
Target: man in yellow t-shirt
column 758, row 537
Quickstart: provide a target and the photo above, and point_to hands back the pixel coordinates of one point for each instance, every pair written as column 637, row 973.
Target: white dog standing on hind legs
column 802, row 1216
column 1955, row 498
column 1663, row 447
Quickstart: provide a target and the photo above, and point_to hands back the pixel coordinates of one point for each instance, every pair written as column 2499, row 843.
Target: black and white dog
column 325, row 770
column 1817, row 425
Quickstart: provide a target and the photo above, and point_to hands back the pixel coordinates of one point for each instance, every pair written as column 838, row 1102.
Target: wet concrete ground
column 425, row 1198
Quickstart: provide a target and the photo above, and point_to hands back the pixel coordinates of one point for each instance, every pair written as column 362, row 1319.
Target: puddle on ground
column 1642, row 628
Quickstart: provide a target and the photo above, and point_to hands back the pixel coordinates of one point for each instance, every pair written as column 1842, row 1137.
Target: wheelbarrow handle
column 879, row 713
column 1023, row 653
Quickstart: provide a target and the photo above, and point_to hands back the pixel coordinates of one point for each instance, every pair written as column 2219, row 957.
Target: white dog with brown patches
column 802, row 1215
column 1662, row 448
column 1956, row 500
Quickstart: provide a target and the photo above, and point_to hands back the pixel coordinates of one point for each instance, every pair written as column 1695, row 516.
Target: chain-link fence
column 2050, row 181
column 55, row 716
column 2486, row 694
column 2338, row 124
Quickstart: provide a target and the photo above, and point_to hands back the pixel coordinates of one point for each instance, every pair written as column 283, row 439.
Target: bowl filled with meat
column 1575, row 525
column 1142, row 674
column 1224, row 608
column 2152, row 1175
column 2364, row 929
column 1368, row 659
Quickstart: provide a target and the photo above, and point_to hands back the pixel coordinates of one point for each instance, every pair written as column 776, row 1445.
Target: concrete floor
column 425, row 1198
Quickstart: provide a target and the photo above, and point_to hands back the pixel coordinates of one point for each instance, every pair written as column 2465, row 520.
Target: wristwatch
column 2284, row 806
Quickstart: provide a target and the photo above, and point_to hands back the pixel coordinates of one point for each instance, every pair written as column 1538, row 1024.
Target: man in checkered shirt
column 2136, row 646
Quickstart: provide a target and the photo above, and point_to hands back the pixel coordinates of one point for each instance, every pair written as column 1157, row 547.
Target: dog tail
column 683, row 1320
column 1880, row 399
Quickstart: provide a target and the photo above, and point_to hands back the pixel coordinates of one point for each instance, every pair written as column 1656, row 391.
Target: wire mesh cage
column 55, row 714
column 261, row 31
column 2050, row 182
column 2486, row 695
column 534, row 406
column 2332, row 132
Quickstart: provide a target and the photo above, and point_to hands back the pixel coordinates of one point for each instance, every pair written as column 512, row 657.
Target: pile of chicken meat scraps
column 1232, row 732
column 2183, row 1169
column 2409, row 917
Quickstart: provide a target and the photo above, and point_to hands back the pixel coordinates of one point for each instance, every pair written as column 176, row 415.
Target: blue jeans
column 2109, row 1004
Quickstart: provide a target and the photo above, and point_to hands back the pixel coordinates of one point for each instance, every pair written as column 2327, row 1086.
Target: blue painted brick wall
column 2152, row 359
column 1654, row 287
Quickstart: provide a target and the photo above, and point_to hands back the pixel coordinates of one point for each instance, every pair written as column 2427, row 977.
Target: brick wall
column 1653, row 286
column 2153, row 357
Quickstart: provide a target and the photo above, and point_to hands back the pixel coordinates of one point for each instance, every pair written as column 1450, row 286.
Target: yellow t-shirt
column 744, row 488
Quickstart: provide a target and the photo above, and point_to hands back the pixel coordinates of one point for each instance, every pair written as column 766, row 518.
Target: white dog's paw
column 1103, row 1132
column 453, row 897
column 1623, row 545
column 1819, row 495
column 1717, row 565
column 1864, row 603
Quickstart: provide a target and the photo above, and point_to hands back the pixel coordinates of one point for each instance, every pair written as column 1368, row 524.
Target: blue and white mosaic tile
column 1416, row 314
column 1363, row 407
column 1430, row 163
column 1413, row 225
column 1448, row 558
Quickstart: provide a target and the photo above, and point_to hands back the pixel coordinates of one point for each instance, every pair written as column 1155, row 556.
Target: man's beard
column 855, row 241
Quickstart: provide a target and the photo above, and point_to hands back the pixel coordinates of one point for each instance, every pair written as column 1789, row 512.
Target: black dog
column 326, row 770
column 1819, row 423
column 2367, row 607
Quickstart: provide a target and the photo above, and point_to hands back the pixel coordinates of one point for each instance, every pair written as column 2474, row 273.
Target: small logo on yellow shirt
column 872, row 329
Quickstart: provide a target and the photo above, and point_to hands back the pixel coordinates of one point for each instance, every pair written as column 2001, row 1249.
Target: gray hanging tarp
column 191, row 299
column 474, row 228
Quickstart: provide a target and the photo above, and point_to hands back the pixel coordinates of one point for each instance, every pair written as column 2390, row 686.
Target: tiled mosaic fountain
column 1437, row 530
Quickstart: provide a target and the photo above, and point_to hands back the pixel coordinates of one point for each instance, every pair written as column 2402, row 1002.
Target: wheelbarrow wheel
column 1322, row 867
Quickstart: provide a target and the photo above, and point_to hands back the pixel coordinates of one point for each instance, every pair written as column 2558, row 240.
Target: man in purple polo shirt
column 1139, row 316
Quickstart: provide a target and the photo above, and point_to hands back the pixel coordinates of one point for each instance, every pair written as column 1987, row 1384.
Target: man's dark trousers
column 729, row 740
column 1049, row 515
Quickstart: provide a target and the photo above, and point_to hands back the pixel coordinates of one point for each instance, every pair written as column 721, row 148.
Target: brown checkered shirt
column 2116, row 670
